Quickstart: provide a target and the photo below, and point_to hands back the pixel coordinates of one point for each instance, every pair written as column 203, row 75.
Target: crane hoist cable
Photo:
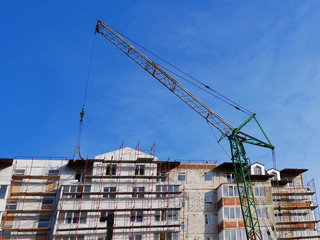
column 218, row 141
column 220, row 96
column 232, row 104
column 77, row 147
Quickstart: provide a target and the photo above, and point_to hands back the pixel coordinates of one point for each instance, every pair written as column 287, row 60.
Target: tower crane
column 235, row 135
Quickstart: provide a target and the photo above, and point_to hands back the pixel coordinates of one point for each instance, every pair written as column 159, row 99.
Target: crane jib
column 201, row 108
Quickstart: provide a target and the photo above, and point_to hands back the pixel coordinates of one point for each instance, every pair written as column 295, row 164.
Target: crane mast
column 236, row 137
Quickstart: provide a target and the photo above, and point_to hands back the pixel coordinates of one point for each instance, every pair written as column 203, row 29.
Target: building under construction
column 130, row 194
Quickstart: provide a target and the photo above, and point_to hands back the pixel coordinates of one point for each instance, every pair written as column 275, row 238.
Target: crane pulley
column 236, row 137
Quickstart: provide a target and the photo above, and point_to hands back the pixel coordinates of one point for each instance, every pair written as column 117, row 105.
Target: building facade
column 129, row 194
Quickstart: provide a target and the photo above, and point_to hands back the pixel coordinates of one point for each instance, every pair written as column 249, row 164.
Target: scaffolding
column 296, row 215
column 126, row 194
column 32, row 198
column 312, row 187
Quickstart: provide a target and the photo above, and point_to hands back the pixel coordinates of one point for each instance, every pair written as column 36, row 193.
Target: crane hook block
column 82, row 114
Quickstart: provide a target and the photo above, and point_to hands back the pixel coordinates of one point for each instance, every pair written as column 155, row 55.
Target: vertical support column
column 242, row 173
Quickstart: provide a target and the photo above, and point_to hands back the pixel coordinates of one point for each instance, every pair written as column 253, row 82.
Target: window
column 53, row 172
column 68, row 217
column 160, row 215
column 176, row 189
column 209, row 219
column 44, row 223
column 12, row 205
column 158, row 190
column 83, row 217
column 235, row 234
column 259, row 191
column 161, row 191
column 208, row 176
column 157, row 216
column 163, row 176
column 208, row 197
column 136, row 216
column 111, row 191
column 257, row 170
column 139, row 216
column 6, row 234
column 278, row 217
column 111, row 169
column 103, row 216
column 48, row 200
column 78, row 176
column 70, row 189
column 19, row 172
column 174, row 236
column 73, row 217
column 87, row 189
column 173, row 215
column 181, row 176
column 108, row 169
column 140, row 170
column 166, row 236
column 135, row 237
column 230, row 177
column 225, row 190
column 262, row 212
column 136, row 194
column 231, row 213
column 276, row 198
column 231, row 191
column 3, row 190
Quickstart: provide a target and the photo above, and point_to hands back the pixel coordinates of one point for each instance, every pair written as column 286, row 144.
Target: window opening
column 53, row 172
column 208, row 197
column 140, row 170
column 78, row 176
column 137, row 192
column 3, row 191
column 208, row 176
column 209, row 218
column 181, row 176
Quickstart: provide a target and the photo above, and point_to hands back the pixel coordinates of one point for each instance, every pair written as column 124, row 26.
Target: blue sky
column 262, row 54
